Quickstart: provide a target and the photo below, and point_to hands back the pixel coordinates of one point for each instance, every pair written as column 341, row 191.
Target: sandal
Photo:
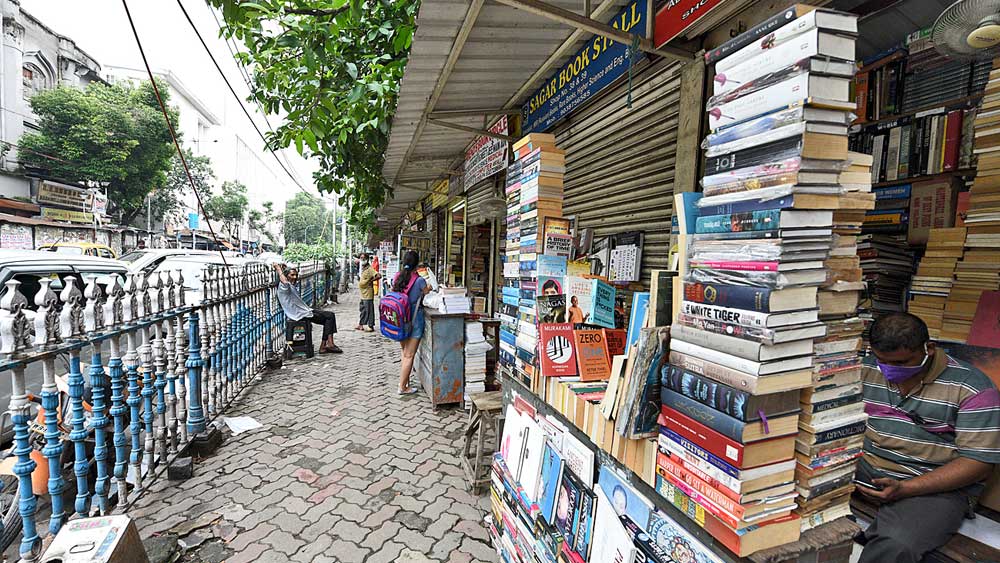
column 335, row 350
column 408, row 391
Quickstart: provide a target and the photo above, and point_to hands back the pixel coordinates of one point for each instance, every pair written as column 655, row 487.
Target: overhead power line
column 170, row 126
column 232, row 90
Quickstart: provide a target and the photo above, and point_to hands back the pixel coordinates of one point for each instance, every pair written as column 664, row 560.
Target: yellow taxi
column 80, row 248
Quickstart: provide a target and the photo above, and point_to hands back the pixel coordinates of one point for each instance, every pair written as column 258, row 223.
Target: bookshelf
column 967, row 102
column 960, row 172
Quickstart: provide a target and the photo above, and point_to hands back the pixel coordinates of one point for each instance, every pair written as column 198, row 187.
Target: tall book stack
column 931, row 287
column 742, row 345
column 887, row 265
column 476, row 348
column 540, row 196
column 508, row 311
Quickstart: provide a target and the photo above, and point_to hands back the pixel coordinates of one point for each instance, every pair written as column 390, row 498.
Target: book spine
column 754, row 156
column 745, row 206
column 739, row 222
column 765, row 61
column 756, row 32
column 730, row 506
column 740, row 266
column 838, row 433
column 953, row 141
column 734, row 296
column 861, row 95
column 723, row 424
column 726, row 315
column 726, row 344
column 710, row 393
column 892, row 157
column 901, row 191
column 701, row 499
column 834, row 403
column 726, row 376
column 675, row 442
column 785, row 93
column 725, row 535
column 689, row 462
column 713, row 442
column 904, row 152
column 714, row 356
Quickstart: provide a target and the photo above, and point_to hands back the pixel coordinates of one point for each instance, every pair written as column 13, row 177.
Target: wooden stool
column 485, row 414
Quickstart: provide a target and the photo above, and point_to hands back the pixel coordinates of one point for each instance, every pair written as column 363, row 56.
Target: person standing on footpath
column 933, row 438
column 296, row 309
column 415, row 295
column 369, row 277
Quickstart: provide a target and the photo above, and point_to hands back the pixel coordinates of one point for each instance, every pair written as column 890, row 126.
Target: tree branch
column 317, row 11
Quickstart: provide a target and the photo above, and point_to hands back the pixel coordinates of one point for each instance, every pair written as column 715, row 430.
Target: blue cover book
column 690, row 212
column 747, row 206
column 550, row 476
column 901, row 191
column 738, row 222
column 640, row 305
column 698, row 451
column 602, row 304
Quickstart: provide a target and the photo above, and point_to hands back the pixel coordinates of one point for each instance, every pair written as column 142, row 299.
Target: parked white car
column 191, row 263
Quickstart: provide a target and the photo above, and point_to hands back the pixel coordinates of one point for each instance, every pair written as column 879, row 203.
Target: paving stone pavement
column 344, row 470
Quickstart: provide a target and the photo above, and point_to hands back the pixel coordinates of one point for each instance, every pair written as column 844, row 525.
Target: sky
column 101, row 29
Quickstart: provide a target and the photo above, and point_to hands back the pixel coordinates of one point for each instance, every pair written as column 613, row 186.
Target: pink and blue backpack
column 395, row 316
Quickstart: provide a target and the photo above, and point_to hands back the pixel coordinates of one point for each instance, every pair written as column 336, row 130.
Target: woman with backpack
column 408, row 281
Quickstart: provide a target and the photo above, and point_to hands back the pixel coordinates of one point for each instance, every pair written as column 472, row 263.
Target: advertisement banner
column 67, row 215
column 16, row 237
column 677, row 15
column 51, row 193
column 593, row 68
column 487, row 155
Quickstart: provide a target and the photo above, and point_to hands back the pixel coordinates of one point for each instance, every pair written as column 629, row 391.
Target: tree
column 230, row 208
column 332, row 68
column 112, row 135
column 167, row 199
column 265, row 221
column 306, row 219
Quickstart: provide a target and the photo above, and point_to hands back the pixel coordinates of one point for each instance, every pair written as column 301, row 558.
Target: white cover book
column 815, row 19
column 531, row 467
column 809, row 44
column 892, row 158
column 784, row 132
column 740, row 364
column 932, row 149
column 754, row 351
column 828, row 91
column 748, row 318
column 877, row 147
column 611, row 542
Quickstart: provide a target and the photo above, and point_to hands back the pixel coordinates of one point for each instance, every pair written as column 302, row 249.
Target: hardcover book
column 731, row 427
column 728, row 400
column 752, row 298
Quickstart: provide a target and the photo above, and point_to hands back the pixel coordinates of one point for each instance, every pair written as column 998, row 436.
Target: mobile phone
column 867, row 484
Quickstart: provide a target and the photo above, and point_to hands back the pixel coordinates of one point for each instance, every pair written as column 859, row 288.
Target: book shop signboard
column 677, row 15
column 487, row 155
column 590, row 70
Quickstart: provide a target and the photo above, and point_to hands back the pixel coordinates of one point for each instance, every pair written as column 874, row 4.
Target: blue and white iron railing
column 314, row 282
column 159, row 370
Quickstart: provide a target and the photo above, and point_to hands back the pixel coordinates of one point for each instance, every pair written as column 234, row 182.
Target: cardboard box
column 105, row 539
column 932, row 206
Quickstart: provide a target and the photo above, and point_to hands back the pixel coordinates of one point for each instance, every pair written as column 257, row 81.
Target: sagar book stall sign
column 677, row 15
column 594, row 67
column 487, row 155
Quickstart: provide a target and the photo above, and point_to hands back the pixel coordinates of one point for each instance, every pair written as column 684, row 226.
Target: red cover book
column 662, row 459
column 732, row 508
column 591, row 355
column 861, row 96
column 962, row 208
column 558, row 357
column 713, row 442
column 952, row 140
column 615, row 340
column 986, row 324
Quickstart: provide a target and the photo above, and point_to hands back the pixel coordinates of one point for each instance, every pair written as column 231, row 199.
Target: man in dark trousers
column 296, row 309
column 933, row 438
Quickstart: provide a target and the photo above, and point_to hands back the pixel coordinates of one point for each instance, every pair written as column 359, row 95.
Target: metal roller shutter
column 476, row 195
column 620, row 162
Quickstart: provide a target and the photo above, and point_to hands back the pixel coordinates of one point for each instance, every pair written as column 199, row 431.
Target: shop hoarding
column 67, row 215
column 674, row 17
column 590, row 70
column 51, row 193
column 487, row 155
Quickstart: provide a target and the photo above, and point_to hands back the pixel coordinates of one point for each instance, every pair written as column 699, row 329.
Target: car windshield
column 133, row 256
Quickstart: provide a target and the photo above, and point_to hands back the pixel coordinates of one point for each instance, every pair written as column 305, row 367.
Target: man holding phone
column 933, row 438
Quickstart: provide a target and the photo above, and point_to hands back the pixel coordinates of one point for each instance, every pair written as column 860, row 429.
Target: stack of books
column 476, row 349
column 887, row 265
column 455, row 300
column 931, row 287
column 742, row 346
column 892, row 210
column 510, row 298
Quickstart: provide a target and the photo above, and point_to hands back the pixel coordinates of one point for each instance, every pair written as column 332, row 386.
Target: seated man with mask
column 933, row 437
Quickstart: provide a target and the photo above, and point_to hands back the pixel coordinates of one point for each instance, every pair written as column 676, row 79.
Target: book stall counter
column 440, row 361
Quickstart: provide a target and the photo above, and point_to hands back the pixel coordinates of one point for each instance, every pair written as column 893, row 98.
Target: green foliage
column 113, row 135
column 265, row 221
column 167, row 199
column 230, row 208
column 307, row 219
column 299, row 252
column 332, row 68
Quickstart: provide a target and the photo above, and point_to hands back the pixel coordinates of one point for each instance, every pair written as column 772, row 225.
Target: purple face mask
column 897, row 374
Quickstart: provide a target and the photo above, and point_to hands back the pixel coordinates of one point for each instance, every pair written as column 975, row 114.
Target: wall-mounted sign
column 17, row 237
column 67, row 215
column 594, row 67
column 192, row 221
column 677, row 15
column 51, row 193
column 487, row 155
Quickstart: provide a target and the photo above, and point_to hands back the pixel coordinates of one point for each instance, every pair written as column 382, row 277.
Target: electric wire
column 170, row 126
column 237, row 96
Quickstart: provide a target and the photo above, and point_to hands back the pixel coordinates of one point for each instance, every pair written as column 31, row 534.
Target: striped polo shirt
column 953, row 412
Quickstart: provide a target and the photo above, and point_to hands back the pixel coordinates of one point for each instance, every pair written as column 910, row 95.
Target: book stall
column 713, row 412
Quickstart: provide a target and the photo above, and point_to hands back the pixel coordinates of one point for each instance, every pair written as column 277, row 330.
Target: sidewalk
column 343, row 470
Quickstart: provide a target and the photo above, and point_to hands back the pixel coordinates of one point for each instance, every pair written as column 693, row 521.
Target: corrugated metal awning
column 468, row 59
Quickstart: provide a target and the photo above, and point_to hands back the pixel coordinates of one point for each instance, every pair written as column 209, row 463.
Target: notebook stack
column 931, row 287
column 742, row 345
column 476, row 349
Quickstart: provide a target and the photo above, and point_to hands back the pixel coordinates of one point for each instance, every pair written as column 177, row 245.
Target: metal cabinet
column 440, row 361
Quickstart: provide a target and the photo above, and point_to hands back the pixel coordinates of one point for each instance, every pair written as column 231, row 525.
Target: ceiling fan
column 968, row 29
